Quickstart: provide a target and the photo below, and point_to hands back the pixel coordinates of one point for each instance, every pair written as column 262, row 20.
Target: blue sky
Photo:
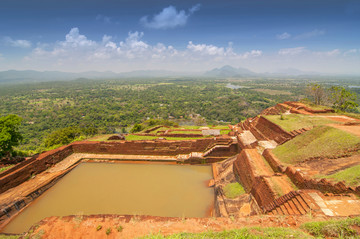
column 125, row 35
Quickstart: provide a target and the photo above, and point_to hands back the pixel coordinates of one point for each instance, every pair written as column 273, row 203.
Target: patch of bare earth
column 327, row 166
column 138, row 226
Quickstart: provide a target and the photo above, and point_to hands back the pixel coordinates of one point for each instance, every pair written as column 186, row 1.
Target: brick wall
column 36, row 166
column 303, row 182
column 254, row 183
column 272, row 131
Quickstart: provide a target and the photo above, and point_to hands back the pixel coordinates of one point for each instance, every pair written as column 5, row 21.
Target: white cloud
column 311, row 34
column 253, row 53
column 103, row 18
column 17, row 43
column 351, row 52
column 76, row 52
column 204, row 49
column 168, row 18
column 74, row 39
column 334, row 52
column 291, row 51
column 283, row 36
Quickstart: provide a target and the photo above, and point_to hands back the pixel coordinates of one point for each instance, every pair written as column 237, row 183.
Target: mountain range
column 15, row 76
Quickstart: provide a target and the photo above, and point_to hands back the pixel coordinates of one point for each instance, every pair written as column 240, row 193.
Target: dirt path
column 352, row 129
column 340, row 118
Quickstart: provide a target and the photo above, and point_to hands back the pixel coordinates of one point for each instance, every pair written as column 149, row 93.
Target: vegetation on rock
column 233, row 190
column 321, row 141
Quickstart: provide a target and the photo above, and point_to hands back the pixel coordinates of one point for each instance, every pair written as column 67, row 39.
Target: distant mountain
column 14, row 77
column 229, row 71
column 294, row 72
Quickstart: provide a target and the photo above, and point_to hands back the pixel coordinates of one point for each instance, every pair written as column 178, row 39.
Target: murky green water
column 112, row 188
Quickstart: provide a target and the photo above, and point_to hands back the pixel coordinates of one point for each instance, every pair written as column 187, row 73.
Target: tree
column 9, row 133
column 317, row 92
column 62, row 136
column 136, row 128
column 342, row 99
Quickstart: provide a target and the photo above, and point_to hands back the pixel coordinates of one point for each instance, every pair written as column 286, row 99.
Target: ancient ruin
column 245, row 156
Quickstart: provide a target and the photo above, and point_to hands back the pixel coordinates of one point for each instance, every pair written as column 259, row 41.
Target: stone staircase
column 220, row 143
column 292, row 203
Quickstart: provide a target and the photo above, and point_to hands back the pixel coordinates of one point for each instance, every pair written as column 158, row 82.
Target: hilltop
column 292, row 160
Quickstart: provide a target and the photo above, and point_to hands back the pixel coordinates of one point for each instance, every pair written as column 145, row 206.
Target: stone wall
column 262, row 191
column 256, row 184
column 165, row 147
column 304, row 182
column 272, row 131
column 37, row 165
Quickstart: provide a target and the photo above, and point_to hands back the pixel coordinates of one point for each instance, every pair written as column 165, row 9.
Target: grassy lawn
column 322, row 141
column 223, row 130
column 139, row 137
column 351, row 176
column 8, row 237
column 185, row 132
column 333, row 228
column 250, row 232
column 233, row 190
column 296, row 121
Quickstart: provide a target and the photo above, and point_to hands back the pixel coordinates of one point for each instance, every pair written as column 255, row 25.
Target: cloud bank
column 76, row 53
column 168, row 18
column 17, row 43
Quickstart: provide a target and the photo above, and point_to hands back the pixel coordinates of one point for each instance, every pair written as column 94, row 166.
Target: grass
column 185, row 132
column 251, row 232
column 139, row 137
column 322, row 141
column 5, row 168
column 182, row 130
column 9, row 236
column 225, row 131
column 333, row 228
column 296, row 121
column 351, row 176
column 233, row 190
column 119, row 228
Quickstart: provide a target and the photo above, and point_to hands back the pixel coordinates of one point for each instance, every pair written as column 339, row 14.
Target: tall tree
column 342, row 99
column 317, row 92
column 9, row 133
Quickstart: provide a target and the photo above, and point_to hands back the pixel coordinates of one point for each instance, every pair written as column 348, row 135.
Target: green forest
column 88, row 107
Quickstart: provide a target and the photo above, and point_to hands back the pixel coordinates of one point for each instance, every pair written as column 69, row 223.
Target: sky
column 192, row 35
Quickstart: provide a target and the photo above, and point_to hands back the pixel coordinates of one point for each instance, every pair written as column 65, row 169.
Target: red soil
column 138, row 226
